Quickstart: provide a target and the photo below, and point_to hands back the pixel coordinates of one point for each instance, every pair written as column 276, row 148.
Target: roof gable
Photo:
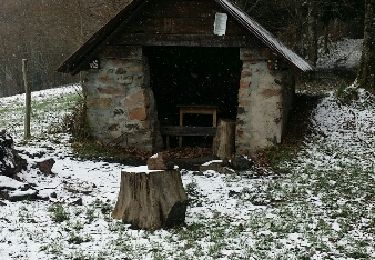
column 75, row 63
column 265, row 36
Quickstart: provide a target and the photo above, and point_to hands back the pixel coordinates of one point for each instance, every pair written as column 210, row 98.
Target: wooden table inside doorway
column 197, row 109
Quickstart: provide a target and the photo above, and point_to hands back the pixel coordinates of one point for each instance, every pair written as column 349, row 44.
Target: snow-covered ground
column 344, row 54
column 322, row 206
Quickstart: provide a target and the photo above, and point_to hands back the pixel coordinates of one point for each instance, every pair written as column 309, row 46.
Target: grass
column 93, row 150
column 46, row 113
column 58, row 213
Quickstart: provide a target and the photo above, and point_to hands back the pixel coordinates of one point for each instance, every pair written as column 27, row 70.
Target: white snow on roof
column 265, row 36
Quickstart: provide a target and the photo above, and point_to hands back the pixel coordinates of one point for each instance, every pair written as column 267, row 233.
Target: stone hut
column 158, row 56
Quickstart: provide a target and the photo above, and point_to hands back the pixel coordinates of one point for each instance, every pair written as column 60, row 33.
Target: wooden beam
column 188, row 131
column 185, row 40
column 27, row 124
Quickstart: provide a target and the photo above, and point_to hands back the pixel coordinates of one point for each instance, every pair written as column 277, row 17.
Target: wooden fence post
column 27, row 123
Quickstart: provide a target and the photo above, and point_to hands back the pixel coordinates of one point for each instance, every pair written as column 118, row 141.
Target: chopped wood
column 224, row 140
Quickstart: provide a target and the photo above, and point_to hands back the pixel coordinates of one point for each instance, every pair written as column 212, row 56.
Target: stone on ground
column 46, row 166
column 10, row 162
column 160, row 161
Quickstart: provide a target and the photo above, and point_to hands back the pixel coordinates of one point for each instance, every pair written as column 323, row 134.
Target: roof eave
column 75, row 62
column 240, row 16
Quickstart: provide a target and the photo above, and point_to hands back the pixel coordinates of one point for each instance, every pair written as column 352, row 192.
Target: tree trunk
column 366, row 72
column 151, row 200
column 312, row 37
column 326, row 38
column 224, row 140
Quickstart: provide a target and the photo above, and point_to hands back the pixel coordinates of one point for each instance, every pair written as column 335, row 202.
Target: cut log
column 160, row 161
column 151, row 200
column 223, row 146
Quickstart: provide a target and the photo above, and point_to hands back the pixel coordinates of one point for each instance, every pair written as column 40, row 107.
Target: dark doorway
column 194, row 76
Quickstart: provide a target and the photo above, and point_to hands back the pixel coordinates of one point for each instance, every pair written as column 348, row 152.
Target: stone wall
column 121, row 107
column 265, row 97
column 120, row 102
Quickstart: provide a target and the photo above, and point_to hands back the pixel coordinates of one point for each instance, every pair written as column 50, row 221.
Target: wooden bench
column 196, row 109
column 178, row 131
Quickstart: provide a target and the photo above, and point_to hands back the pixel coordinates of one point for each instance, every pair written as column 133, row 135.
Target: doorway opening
column 194, row 88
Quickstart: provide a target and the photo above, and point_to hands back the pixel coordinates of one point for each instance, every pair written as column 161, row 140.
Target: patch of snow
column 11, row 184
column 336, row 226
column 346, row 54
column 143, row 169
column 206, row 164
column 19, row 193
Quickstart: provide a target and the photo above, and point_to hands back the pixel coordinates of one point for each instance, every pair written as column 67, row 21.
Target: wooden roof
column 78, row 59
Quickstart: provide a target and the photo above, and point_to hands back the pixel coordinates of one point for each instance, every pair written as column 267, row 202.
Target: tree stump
column 224, row 140
column 151, row 200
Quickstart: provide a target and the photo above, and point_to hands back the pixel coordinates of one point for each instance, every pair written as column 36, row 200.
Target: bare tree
column 366, row 73
column 46, row 32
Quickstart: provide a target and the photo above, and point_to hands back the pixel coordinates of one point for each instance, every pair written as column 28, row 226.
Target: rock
column 216, row 165
column 6, row 140
column 53, row 195
column 45, row 166
column 82, row 187
column 234, row 194
column 198, row 173
column 43, row 196
column 209, row 174
column 160, row 161
column 228, row 171
column 240, row 163
column 10, row 162
column 33, row 185
column 3, row 204
column 15, row 196
column 34, row 155
column 76, row 202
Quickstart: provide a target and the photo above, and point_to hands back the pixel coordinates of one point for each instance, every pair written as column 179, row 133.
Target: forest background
column 47, row 31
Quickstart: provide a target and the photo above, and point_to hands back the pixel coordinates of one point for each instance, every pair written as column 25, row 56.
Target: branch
column 254, row 6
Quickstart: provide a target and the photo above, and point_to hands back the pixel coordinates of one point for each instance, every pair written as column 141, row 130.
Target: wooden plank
column 176, row 18
column 180, row 8
column 122, row 52
column 27, row 124
column 224, row 141
column 179, row 25
column 186, row 40
column 188, row 131
column 192, row 24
